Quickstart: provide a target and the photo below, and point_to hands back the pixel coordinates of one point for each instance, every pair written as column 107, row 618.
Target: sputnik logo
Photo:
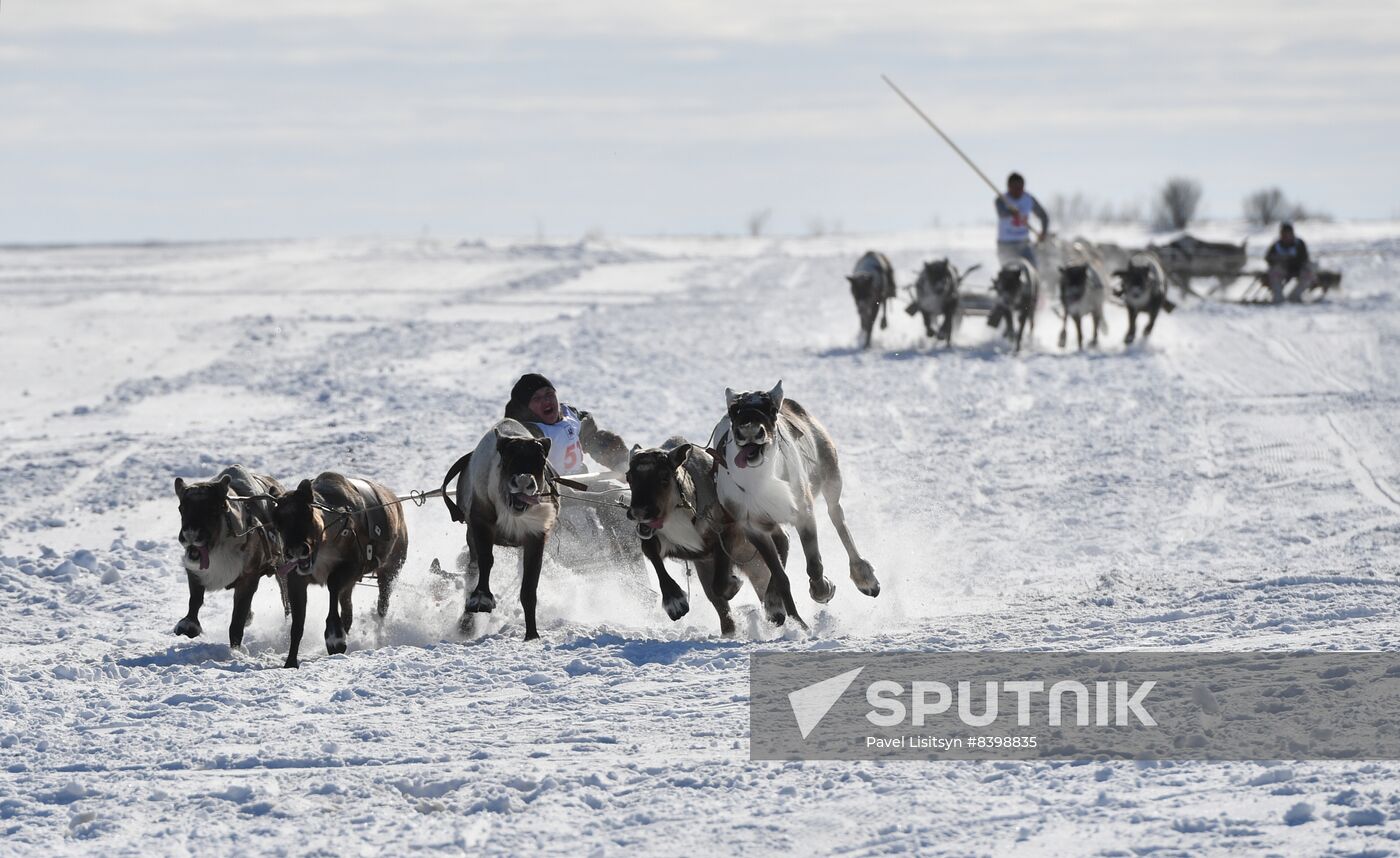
column 810, row 704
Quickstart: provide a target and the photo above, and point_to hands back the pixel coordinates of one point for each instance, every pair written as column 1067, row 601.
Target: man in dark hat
column 1288, row 258
column 571, row 432
column 589, row 535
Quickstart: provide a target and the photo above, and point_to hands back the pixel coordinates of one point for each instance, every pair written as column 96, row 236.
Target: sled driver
column 592, row 533
column 1288, row 259
column 571, row 432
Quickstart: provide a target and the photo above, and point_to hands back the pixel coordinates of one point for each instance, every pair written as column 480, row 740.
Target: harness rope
column 343, row 518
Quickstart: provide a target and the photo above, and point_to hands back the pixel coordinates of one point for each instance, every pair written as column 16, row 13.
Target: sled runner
column 1258, row 293
column 594, row 533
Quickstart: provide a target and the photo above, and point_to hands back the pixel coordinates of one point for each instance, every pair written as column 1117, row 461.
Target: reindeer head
column 651, row 475
column 1074, row 283
column 523, row 480
column 862, row 287
column 1138, row 283
column 301, row 527
column 202, row 510
column 753, row 420
column 1009, row 282
column 937, row 278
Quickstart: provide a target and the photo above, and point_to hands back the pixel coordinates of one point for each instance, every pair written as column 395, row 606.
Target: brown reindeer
column 676, row 506
column 335, row 530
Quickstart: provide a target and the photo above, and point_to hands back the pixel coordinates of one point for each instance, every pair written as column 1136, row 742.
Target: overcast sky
column 195, row 119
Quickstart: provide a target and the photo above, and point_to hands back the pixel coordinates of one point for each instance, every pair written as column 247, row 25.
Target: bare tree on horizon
column 758, row 222
column 1266, row 206
column 1176, row 203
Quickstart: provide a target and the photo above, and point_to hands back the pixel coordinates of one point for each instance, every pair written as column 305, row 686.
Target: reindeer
column 872, row 285
column 676, row 506
column 936, row 294
column 1081, row 294
column 774, row 459
column 1017, row 290
column 336, row 530
column 506, row 497
column 1143, row 290
column 229, row 543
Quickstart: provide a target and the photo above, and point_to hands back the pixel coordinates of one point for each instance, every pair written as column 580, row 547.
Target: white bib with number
column 565, row 446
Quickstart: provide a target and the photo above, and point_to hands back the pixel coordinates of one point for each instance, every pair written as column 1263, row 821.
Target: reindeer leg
column 347, row 608
column 336, row 633
column 862, row 573
column 673, row 599
column 286, row 600
column 736, row 545
column 780, row 540
column 713, row 573
column 296, row 593
column 479, row 599
column 242, row 609
column 1132, row 327
column 1152, row 311
column 387, row 579
column 819, row 587
column 1079, row 330
column 189, row 625
column 533, row 555
column 1098, row 317
column 777, row 601
column 726, row 578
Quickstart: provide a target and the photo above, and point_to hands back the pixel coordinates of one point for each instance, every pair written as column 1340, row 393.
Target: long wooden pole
column 961, row 154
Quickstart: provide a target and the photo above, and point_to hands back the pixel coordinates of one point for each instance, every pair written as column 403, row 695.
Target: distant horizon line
column 595, row 234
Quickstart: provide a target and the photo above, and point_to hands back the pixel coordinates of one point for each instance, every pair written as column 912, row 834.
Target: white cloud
column 770, row 21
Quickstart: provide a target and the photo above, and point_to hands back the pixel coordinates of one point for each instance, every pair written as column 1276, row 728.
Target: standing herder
column 1288, row 258
column 1014, row 210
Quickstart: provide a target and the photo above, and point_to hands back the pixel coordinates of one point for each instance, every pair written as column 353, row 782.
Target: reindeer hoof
column 726, row 627
column 733, row 589
column 1128, row 340
column 293, row 663
column 863, row 574
column 676, row 606
column 335, row 644
column 189, row 628
column 821, row 590
column 778, row 617
column 1062, row 339
column 481, row 602
column 532, row 636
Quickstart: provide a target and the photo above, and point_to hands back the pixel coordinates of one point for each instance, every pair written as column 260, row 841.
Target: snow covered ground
column 1233, row 484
